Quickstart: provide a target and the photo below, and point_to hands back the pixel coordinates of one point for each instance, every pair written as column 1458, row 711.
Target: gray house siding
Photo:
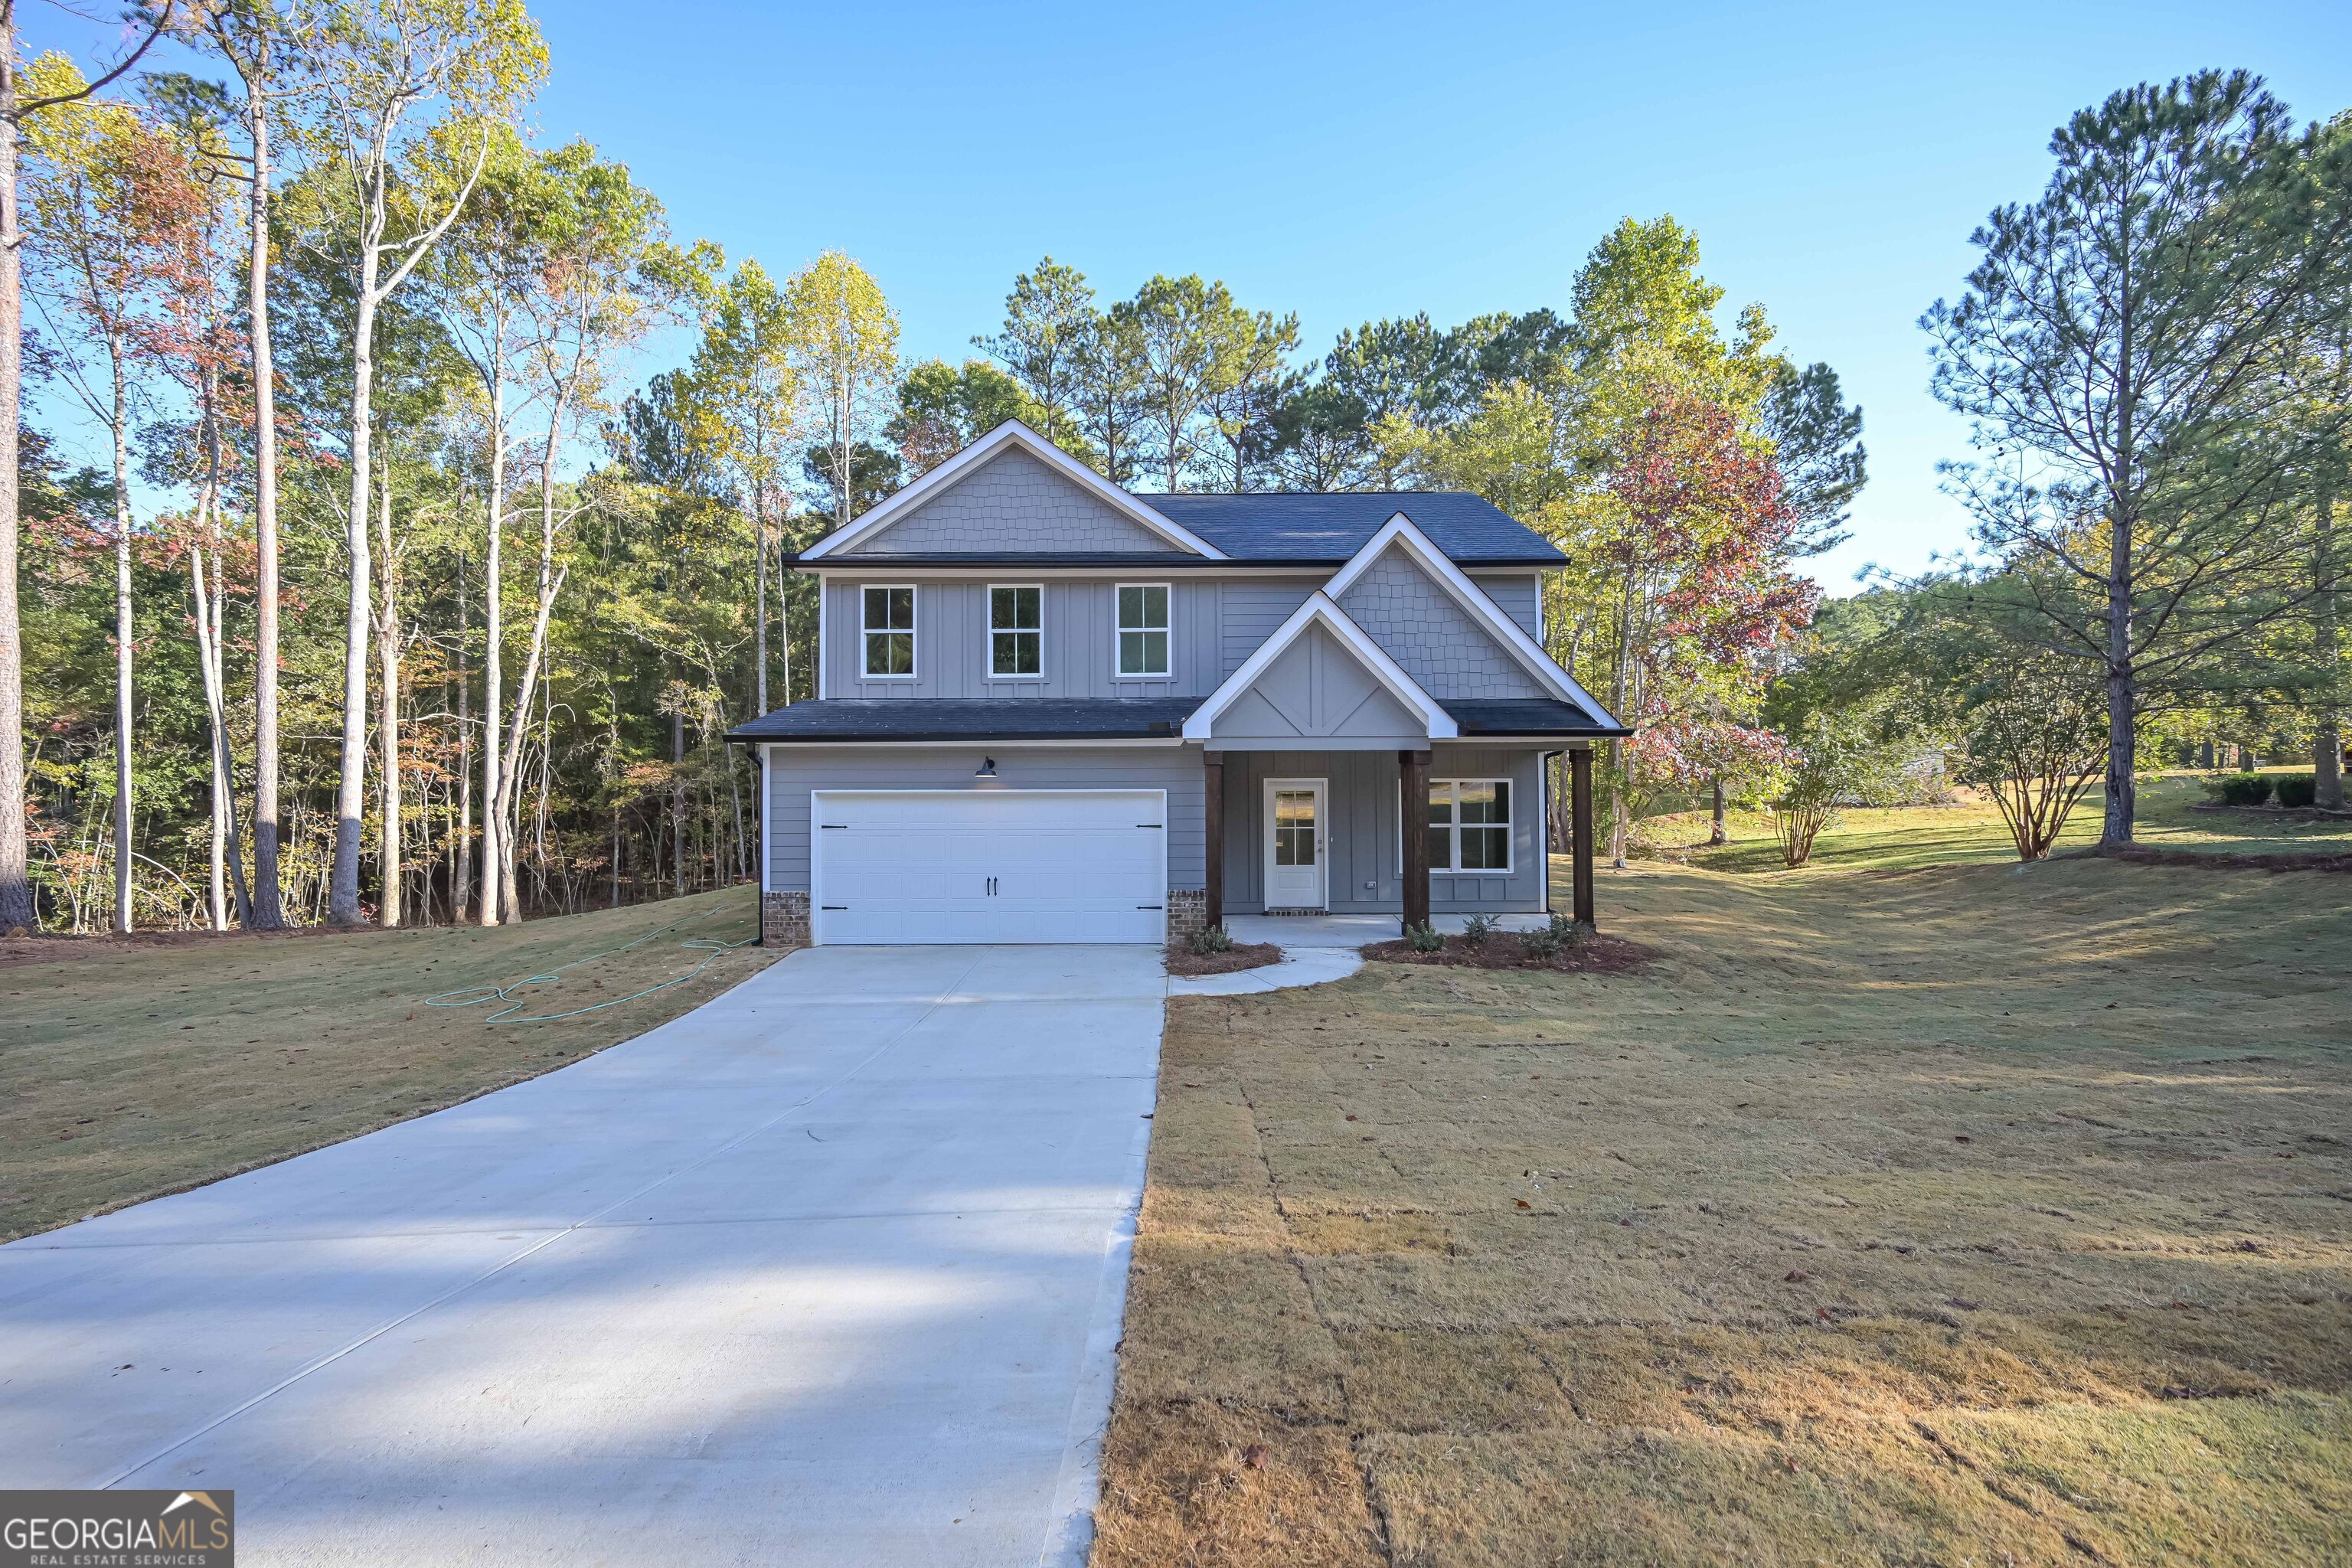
column 1012, row 502
column 794, row 771
column 1417, row 622
column 1080, row 645
column 1515, row 594
column 1362, row 838
column 1253, row 608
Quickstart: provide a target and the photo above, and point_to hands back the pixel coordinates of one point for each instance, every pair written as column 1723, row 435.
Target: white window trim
column 914, row 633
column 1510, row 831
column 989, row 629
column 1119, row 627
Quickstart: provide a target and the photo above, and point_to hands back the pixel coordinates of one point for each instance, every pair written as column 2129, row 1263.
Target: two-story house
column 1049, row 709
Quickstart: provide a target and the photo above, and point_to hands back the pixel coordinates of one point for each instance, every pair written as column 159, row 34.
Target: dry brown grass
column 1959, row 1215
column 138, row 1067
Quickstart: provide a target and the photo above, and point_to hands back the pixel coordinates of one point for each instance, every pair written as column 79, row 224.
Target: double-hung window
column 1017, row 633
column 889, row 633
column 1470, row 825
column 1143, row 630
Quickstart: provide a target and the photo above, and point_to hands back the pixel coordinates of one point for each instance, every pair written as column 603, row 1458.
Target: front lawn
column 138, row 1066
column 1964, row 1214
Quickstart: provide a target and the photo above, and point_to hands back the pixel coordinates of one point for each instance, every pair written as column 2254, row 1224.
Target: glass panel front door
column 1295, row 862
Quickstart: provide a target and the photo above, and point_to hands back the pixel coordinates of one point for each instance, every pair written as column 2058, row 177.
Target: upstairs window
column 1143, row 630
column 1469, row 824
column 890, row 632
column 1016, row 633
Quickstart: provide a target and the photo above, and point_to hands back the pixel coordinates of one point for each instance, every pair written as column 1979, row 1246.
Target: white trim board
column 1403, row 530
column 1011, row 433
column 1321, row 609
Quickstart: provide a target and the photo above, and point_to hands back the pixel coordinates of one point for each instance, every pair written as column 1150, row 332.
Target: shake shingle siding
column 1014, row 503
column 1418, row 624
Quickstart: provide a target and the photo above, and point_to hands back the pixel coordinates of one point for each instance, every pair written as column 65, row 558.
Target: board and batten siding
column 1365, row 877
column 794, row 771
column 1080, row 649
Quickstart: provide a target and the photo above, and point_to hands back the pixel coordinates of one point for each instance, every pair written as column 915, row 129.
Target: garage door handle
column 1151, row 906
column 1148, row 825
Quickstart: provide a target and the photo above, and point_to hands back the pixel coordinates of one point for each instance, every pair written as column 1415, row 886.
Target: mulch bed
column 1182, row 960
column 1591, row 954
column 2140, row 856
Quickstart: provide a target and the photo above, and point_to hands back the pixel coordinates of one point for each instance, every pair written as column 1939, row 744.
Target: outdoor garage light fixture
column 987, row 769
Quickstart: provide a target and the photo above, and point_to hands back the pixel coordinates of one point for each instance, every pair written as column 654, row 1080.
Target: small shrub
column 1565, row 931
column 1424, row 938
column 2246, row 789
column 1212, row 939
column 1544, row 943
column 2296, row 791
column 1477, row 929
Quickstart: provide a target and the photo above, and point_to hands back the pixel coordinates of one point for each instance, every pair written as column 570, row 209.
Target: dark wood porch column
column 1212, row 818
column 1579, row 846
column 1414, row 767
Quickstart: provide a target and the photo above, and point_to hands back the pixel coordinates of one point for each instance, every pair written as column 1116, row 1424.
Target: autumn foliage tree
column 1686, row 547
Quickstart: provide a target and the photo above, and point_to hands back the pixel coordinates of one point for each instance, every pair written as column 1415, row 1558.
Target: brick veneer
column 784, row 919
column 1188, row 912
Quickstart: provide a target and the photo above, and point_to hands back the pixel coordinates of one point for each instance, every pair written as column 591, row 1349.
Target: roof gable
column 1318, row 676
column 1439, row 643
column 1400, row 534
column 1011, row 492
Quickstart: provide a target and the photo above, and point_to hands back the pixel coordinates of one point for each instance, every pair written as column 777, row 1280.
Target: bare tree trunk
column 350, row 804
column 1717, row 833
column 17, row 909
column 124, row 633
column 759, row 594
column 212, row 621
column 551, row 583
column 387, row 723
column 677, row 798
column 461, row 848
column 2328, row 742
column 494, row 632
column 269, row 912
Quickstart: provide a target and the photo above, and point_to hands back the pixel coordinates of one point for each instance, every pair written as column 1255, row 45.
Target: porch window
column 889, row 633
column 1143, row 630
column 1469, row 824
column 1016, row 635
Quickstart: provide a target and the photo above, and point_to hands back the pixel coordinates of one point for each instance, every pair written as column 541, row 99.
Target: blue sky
column 1349, row 161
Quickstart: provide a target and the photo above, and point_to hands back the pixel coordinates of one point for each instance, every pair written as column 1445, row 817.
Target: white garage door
column 947, row 865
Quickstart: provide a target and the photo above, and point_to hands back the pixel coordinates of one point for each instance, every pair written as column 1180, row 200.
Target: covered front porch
column 1312, row 840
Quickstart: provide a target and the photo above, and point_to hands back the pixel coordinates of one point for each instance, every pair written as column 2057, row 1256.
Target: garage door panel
column 1013, row 866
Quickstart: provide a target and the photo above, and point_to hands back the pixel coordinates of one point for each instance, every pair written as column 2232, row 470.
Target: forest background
column 402, row 596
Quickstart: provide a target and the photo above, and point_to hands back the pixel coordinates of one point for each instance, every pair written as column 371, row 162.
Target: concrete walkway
column 829, row 1270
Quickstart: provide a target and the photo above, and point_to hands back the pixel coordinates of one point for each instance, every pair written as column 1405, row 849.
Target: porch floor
column 1353, row 930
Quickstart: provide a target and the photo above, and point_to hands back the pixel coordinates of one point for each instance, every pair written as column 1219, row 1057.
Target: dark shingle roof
column 1283, row 527
column 1104, row 719
column 956, row 718
column 1537, row 717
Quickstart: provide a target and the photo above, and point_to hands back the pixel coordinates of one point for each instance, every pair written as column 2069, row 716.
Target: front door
column 1295, row 844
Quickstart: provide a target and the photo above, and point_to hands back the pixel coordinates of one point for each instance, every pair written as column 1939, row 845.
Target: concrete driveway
column 828, row 1271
